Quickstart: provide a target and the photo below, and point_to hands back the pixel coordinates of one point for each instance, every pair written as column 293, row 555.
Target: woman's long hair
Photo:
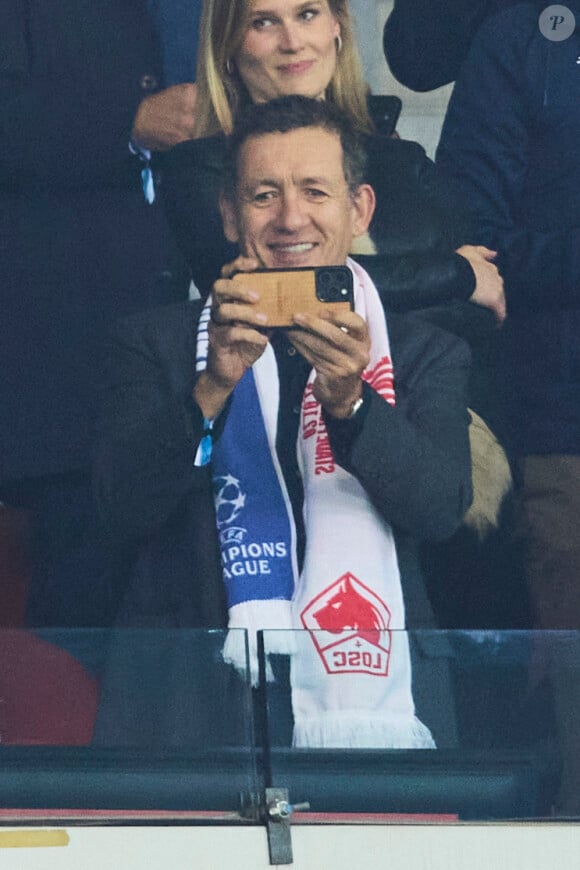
column 221, row 92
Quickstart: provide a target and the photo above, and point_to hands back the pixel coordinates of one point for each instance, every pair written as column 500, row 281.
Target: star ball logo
column 358, row 616
column 240, row 557
column 229, row 499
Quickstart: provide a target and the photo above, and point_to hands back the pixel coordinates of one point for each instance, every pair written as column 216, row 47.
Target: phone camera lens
column 330, row 284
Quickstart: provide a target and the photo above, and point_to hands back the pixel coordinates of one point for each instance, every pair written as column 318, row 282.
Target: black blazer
column 413, row 461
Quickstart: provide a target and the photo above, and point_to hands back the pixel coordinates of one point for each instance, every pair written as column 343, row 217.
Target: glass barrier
column 133, row 720
column 439, row 725
column 436, row 725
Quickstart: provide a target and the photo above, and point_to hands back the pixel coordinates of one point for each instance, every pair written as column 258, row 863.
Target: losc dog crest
column 350, row 628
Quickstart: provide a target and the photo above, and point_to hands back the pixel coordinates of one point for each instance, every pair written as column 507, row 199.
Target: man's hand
column 166, row 118
column 235, row 339
column 338, row 348
column 488, row 291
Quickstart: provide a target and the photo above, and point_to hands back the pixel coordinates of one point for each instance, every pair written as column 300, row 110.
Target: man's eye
column 264, row 196
column 309, row 14
column 316, row 193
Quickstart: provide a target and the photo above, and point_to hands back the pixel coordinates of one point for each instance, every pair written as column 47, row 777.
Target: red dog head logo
column 348, row 609
column 349, row 626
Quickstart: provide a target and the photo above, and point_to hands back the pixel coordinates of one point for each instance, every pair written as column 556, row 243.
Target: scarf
column 351, row 668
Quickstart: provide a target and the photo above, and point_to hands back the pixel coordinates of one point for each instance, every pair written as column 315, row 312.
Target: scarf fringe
column 254, row 616
column 350, row 729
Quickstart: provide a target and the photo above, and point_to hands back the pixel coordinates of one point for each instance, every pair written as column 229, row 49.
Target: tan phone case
column 313, row 291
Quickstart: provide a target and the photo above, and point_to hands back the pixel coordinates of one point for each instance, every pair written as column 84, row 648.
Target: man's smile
column 295, row 248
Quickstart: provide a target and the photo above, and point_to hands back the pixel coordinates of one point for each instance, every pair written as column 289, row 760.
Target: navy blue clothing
column 426, row 41
column 177, row 25
column 510, row 144
column 79, row 246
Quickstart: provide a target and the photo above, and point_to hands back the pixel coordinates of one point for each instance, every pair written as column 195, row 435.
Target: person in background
column 427, row 41
column 79, row 247
column 510, row 146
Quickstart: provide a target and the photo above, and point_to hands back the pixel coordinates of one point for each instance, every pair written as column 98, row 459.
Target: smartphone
column 384, row 111
column 312, row 291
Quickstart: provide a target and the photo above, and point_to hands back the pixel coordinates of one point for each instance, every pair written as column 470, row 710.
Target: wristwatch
column 356, row 406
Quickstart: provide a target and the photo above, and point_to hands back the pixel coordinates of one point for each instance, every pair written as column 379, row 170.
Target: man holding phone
column 280, row 478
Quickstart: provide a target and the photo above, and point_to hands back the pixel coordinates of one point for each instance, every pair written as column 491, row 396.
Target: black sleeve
column 411, row 281
column 417, row 226
column 148, row 432
column 192, row 178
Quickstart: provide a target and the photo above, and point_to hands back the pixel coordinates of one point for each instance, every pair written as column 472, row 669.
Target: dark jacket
column 413, row 460
column 79, row 246
column 426, row 41
column 510, row 144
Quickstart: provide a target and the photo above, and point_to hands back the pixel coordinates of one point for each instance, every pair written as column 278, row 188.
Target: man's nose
column 291, row 214
column 291, row 37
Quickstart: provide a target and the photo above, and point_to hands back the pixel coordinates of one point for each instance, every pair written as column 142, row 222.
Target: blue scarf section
column 255, row 527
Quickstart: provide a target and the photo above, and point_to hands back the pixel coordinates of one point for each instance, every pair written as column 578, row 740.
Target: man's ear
column 229, row 220
column 363, row 206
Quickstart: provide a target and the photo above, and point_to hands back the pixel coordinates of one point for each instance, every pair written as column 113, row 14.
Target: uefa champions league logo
column 241, row 557
column 229, row 499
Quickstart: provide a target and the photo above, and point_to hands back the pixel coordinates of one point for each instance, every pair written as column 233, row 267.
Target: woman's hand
column 488, row 291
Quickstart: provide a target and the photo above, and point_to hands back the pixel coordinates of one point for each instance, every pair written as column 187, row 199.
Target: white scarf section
column 350, row 665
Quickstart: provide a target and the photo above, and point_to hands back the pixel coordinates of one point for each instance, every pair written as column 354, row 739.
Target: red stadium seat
column 46, row 696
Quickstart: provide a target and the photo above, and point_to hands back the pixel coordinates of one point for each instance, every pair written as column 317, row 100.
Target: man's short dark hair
column 295, row 113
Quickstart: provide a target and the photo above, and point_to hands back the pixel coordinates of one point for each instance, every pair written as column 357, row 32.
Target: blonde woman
column 254, row 51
